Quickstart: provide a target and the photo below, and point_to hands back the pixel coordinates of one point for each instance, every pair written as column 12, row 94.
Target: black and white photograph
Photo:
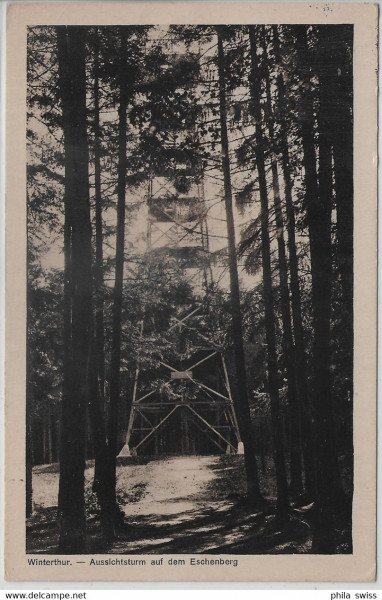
column 190, row 254
column 190, row 285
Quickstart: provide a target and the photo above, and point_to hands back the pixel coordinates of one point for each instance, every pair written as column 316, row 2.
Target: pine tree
column 296, row 486
column 282, row 486
column 318, row 206
column 78, row 297
column 242, row 404
column 119, row 266
column 299, row 335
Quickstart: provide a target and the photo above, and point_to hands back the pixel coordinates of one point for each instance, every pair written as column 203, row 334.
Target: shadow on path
column 175, row 505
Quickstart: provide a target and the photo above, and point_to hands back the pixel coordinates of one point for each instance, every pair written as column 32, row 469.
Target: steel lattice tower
column 187, row 407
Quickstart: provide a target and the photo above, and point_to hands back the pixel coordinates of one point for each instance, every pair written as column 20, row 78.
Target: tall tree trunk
column 71, row 504
column 241, row 404
column 343, row 158
column 99, row 305
column 296, row 486
column 97, row 362
column 343, row 174
column 300, row 353
column 119, row 265
column 318, row 207
column 281, row 480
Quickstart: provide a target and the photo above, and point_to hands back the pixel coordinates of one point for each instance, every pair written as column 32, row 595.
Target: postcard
column 191, row 234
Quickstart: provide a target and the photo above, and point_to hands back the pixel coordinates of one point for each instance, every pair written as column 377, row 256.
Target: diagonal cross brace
column 166, row 234
column 146, row 395
column 210, row 437
column 210, row 426
column 201, row 361
column 180, row 321
column 202, row 385
column 144, row 417
column 156, row 427
column 175, row 371
column 233, row 413
column 199, row 333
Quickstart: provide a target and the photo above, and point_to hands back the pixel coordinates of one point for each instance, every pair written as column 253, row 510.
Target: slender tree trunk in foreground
column 296, row 487
column 119, row 265
column 343, row 160
column 301, row 360
column 344, row 190
column 300, row 353
column 241, row 404
column 98, row 278
column 281, row 480
column 96, row 366
column 71, row 502
column 318, row 204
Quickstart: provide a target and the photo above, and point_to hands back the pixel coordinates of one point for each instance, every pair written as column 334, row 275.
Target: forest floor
column 173, row 505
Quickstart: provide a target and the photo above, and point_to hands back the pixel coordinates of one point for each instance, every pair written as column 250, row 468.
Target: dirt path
column 173, row 486
column 174, row 505
column 176, row 509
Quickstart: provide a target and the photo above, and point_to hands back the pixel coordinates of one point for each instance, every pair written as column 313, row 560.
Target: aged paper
column 157, row 565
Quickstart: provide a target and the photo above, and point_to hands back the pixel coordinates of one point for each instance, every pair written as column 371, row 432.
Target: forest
column 190, row 284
